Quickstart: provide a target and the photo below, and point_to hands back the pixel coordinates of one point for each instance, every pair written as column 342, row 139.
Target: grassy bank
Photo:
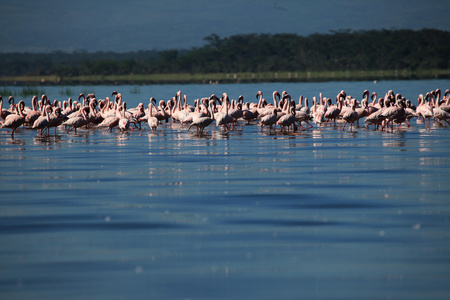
column 209, row 78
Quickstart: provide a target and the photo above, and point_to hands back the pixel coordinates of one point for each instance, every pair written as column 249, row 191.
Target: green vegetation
column 135, row 90
column 341, row 55
column 24, row 91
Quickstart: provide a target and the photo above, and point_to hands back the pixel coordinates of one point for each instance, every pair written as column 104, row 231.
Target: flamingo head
column 366, row 92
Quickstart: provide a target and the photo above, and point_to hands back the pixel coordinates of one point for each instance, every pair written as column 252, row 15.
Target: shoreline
column 237, row 77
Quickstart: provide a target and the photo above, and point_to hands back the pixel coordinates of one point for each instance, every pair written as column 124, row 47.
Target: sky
column 110, row 25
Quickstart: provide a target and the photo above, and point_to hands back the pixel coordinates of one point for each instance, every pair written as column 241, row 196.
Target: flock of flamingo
column 112, row 112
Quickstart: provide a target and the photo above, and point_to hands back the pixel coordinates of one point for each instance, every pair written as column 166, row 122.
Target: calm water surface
column 322, row 214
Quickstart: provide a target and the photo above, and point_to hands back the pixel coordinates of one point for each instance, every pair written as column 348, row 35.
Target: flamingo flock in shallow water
column 111, row 113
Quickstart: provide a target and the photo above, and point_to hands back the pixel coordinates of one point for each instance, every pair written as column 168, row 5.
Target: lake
column 318, row 214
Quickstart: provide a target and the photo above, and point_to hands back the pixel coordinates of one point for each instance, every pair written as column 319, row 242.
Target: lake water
column 321, row 214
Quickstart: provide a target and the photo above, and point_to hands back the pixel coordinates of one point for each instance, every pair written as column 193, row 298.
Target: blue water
column 321, row 214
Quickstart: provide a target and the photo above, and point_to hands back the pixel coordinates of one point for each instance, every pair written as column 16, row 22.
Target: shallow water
column 321, row 214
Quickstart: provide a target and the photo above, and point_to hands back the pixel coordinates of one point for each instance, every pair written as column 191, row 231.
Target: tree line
column 337, row 50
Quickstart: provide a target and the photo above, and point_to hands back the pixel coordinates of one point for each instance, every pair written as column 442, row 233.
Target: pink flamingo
column 124, row 123
column 111, row 121
column 43, row 120
column 446, row 101
column 394, row 113
column 410, row 112
column 4, row 112
column 202, row 122
column 33, row 114
column 318, row 110
column 14, row 121
column 56, row 119
column 288, row 119
column 375, row 118
column 350, row 116
column 248, row 114
column 332, row 112
column 424, row 109
column 223, row 118
column 152, row 121
column 160, row 113
column 439, row 114
column 78, row 121
column 269, row 120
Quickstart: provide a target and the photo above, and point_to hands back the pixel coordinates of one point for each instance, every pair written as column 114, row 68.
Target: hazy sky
column 111, row 25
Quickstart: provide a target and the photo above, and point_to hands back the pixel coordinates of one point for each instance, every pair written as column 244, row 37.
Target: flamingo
column 424, row 109
column 56, row 119
column 186, row 112
column 410, row 112
column 236, row 110
column 350, row 116
column 268, row 109
column 269, row 120
column 299, row 106
column 138, row 115
column 94, row 116
column 288, row 119
column 318, row 110
column 202, row 122
column 401, row 116
column 305, row 108
column 437, row 95
column 283, row 105
column 77, row 121
column 445, row 105
column 12, row 105
column 4, row 112
column 440, row 115
column 395, row 113
column 151, row 120
column 375, row 118
column 303, row 116
column 362, row 111
column 332, row 112
column 124, row 122
column 249, row 115
column 198, row 111
column 43, row 120
column 203, row 109
column 261, row 109
column 33, row 114
column 111, row 121
column 344, row 103
column 109, row 109
column 373, row 107
column 14, row 121
column 68, row 109
column 161, row 113
column 178, row 113
column 224, row 119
